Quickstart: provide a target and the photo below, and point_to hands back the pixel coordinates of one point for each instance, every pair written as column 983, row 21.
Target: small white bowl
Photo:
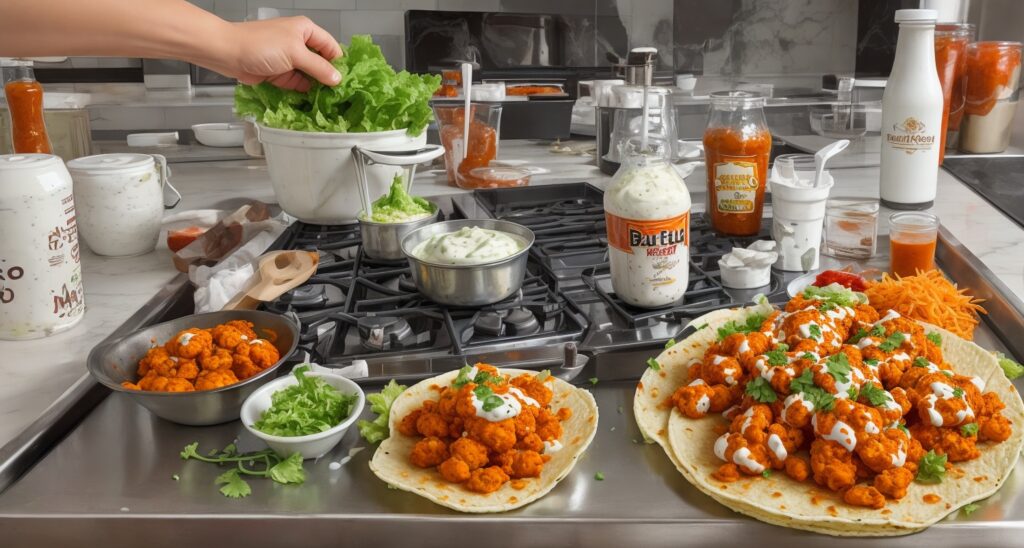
column 312, row 446
column 220, row 135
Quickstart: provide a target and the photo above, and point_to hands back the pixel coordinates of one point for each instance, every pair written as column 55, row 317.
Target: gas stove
column 358, row 308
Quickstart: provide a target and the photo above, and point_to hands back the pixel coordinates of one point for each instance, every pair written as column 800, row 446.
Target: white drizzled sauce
column 717, row 360
column 730, row 379
column 795, row 398
column 703, row 404
column 742, row 458
column 979, row 382
column 744, row 346
column 523, row 397
column 871, row 428
column 842, row 434
column 509, row 408
column 777, row 447
column 934, row 416
column 185, row 338
column 697, row 382
column 720, row 446
column 900, row 458
column 866, row 342
column 552, row 446
column 890, row 315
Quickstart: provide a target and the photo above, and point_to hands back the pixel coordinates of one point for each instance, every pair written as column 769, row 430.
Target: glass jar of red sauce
column 951, row 41
column 25, row 103
column 484, row 131
column 451, row 81
column 737, row 145
column 912, row 239
column 993, row 88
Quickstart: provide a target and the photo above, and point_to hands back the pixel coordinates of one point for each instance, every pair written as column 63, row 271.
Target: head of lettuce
column 370, row 97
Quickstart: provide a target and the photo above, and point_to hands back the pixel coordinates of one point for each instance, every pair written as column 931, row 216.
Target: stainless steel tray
column 110, row 480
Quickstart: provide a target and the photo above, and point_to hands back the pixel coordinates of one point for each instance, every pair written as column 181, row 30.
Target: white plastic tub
column 314, row 174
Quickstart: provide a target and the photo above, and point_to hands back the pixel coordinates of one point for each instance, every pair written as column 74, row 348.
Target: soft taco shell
column 391, row 461
column 782, row 501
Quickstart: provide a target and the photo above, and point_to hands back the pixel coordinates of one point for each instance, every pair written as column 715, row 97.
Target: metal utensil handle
column 361, row 157
column 402, row 157
column 165, row 180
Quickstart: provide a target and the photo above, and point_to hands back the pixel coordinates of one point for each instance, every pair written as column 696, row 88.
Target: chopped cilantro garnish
column 463, row 377
column 809, row 356
column 969, row 429
column 593, row 381
column 878, row 331
column 309, row 406
column 892, row 342
column 827, row 306
column 860, row 334
column 958, row 392
column 234, row 486
column 492, row 402
column 761, row 390
column 777, row 356
column 670, row 343
column 815, row 331
column 484, row 376
column 749, row 325
column 874, row 394
column 482, row 391
column 599, row 476
column 767, row 473
column 838, row 366
column 969, row 508
column 931, row 468
column 853, row 393
column 903, row 428
column 947, row 372
column 803, row 382
column 653, row 364
column 935, row 338
column 921, row 361
column 871, row 362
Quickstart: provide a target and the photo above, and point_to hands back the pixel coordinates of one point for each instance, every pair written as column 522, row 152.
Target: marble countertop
column 37, row 372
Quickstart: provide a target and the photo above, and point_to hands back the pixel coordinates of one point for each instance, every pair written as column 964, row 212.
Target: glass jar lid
column 105, row 163
column 735, row 99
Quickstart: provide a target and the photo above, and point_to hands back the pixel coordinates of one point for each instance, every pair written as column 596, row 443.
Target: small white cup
column 120, row 201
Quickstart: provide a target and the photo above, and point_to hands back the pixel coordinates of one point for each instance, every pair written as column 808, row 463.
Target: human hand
column 282, row 51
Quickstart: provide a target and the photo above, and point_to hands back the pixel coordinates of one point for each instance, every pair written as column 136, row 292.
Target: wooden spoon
column 278, row 272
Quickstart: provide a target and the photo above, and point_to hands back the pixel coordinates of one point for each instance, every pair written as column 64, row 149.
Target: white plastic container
column 120, row 199
column 912, row 116
column 798, row 213
column 312, row 446
column 40, row 262
column 647, row 212
column 220, row 134
column 314, row 174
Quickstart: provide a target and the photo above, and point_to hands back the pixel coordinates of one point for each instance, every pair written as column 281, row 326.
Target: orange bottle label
column 660, row 238
column 736, row 184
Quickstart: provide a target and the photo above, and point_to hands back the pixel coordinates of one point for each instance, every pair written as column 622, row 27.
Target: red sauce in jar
column 990, row 65
column 949, row 61
column 482, row 148
column 25, row 102
column 912, row 254
column 737, row 166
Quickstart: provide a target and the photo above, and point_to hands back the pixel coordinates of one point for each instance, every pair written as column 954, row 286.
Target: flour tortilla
column 782, row 501
column 391, row 461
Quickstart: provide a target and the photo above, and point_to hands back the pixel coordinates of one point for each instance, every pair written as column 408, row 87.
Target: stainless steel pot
column 384, row 240
column 468, row 285
column 115, row 362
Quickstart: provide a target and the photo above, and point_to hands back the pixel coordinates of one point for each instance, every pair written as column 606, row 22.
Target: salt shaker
column 40, row 263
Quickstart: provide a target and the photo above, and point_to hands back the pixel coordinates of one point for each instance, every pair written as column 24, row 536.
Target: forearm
column 158, row 29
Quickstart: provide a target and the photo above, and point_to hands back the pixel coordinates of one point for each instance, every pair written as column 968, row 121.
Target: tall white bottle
column 912, row 116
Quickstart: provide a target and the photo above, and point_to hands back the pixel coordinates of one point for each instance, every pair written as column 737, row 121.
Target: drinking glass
column 912, row 239
column 851, row 227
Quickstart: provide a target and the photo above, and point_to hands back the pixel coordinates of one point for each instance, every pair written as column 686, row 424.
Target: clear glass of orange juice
column 912, row 239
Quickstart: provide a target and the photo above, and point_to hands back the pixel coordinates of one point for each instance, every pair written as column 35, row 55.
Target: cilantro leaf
column 921, row 361
column 377, row 430
column 1011, row 369
column 931, row 468
column 670, row 343
column 892, row 342
column 815, row 331
column 827, row 306
column 190, row 451
column 767, row 473
column 860, row 334
column 878, row 331
column 481, row 392
column 820, row 398
column 969, row 429
column 853, row 393
column 308, row 407
column 876, row 395
column 871, row 362
column 653, row 364
column 751, row 324
column 234, row 486
column 463, row 377
column 289, row 470
column 970, row 508
column 761, row 390
column 777, row 356
column 838, row 366
column 802, row 382
column 599, row 476
column 593, row 381
column 935, row 338
column 958, row 392
column 492, row 402
column 810, row 356
column 903, row 428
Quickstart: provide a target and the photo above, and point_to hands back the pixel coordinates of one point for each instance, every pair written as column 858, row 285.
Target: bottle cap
column 916, row 16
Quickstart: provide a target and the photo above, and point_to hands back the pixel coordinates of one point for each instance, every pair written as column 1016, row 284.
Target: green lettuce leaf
column 309, row 407
column 377, row 430
column 370, row 97
column 398, row 205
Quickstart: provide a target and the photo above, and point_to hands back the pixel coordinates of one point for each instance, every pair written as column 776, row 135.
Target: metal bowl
column 114, row 362
column 468, row 285
column 384, row 240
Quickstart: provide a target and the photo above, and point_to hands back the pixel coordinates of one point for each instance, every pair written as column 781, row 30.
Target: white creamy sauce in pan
column 468, row 246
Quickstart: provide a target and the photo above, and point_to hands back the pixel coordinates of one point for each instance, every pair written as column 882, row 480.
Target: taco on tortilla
column 483, row 439
column 829, row 416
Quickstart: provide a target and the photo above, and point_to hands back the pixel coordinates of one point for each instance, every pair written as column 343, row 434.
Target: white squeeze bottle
column 647, row 211
column 911, row 116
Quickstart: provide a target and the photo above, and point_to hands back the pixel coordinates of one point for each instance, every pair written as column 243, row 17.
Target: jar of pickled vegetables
column 737, row 145
column 993, row 88
column 951, row 41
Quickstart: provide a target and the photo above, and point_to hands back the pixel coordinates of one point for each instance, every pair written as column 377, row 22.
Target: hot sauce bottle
column 25, row 102
column 737, row 145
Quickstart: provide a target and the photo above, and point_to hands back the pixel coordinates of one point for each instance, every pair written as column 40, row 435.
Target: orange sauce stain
column 886, row 512
column 832, row 511
column 931, row 498
column 518, row 484
column 435, row 388
column 662, row 374
column 776, row 495
column 512, row 500
column 782, row 507
column 640, row 386
column 815, row 500
column 654, row 392
column 980, row 478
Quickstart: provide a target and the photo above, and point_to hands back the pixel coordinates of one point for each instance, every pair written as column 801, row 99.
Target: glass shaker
column 737, row 145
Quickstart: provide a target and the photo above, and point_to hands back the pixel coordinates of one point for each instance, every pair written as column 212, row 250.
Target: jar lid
column 501, row 173
column 118, row 161
column 737, row 99
column 916, row 16
column 19, row 161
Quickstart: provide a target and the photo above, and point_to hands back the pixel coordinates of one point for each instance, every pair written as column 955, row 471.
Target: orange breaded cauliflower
column 210, row 380
column 218, row 360
column 190, row 343
column 487, row 480
column 227, row 337
column 429, row 452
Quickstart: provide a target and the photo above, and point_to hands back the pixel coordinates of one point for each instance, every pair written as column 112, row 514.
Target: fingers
column 322, row 41
column 317, row 67
column 291, row 80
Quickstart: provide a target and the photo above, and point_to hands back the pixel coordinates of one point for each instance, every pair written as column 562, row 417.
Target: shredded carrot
column 928, row 297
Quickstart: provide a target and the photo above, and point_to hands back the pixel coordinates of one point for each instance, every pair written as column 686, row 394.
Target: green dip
column 398, row 206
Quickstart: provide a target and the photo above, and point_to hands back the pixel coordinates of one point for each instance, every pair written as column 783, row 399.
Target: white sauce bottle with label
column 647, row 210
column 911, row 116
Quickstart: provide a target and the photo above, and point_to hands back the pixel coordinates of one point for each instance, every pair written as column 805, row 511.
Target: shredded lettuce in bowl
column 370, row 97
column 398, row 206
column 309, row 407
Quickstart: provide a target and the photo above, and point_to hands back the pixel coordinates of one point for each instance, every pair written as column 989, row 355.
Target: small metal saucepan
column 468, row 285
column 115, row 362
